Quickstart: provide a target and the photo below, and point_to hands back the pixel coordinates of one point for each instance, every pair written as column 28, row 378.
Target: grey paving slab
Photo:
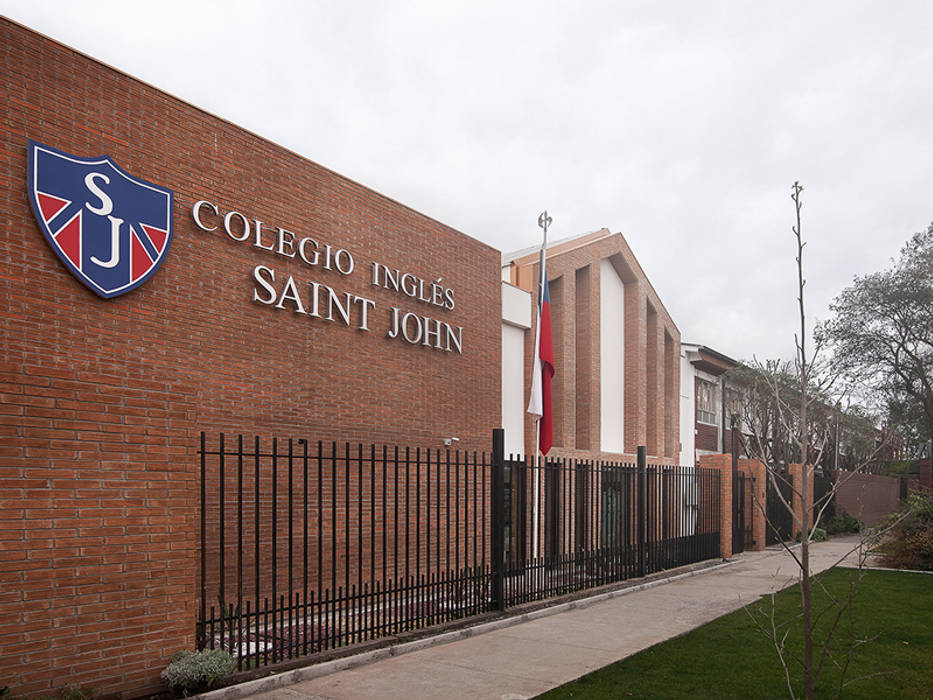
column 418, row 679
column 525, row 659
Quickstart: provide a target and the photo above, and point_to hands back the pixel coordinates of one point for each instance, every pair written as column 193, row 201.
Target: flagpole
column 543, row 221
column 537, row 463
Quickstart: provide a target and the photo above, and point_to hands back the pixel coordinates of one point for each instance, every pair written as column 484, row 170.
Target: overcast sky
column 681, row 125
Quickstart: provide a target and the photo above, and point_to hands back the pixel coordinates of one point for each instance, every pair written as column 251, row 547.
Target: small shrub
column 818, row 534
column 197, row 671
column 909, row 543
column 842, row 523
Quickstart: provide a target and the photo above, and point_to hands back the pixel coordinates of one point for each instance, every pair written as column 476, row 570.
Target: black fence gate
column 309, row 547
column 823, row 500
column 738, row 513
column 780, row 521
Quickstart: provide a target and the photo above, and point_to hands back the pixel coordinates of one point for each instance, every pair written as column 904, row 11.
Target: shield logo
column 110, row 229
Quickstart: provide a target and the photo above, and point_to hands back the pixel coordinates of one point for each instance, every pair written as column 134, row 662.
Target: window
column 735, row 406
column 706, row 402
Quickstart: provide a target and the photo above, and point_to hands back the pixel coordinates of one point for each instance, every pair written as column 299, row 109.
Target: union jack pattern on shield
column 110, row 229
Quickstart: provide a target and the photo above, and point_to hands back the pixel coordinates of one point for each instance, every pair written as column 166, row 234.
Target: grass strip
column 730, row 658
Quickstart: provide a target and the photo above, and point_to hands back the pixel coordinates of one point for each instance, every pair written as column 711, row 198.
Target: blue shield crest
column 110, row 229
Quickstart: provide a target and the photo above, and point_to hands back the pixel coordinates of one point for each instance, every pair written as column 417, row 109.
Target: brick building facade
column 103, row 400
column 706, row 402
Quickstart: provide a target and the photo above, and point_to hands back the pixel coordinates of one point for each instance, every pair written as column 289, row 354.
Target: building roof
column 709, row 360
column 516, row 254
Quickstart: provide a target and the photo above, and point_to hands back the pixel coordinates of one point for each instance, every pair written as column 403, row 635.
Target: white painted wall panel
column 687, row 411
column 611, row 358
column 513, row 388
column 516, row 306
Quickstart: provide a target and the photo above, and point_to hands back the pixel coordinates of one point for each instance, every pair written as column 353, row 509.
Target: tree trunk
column 805, row 591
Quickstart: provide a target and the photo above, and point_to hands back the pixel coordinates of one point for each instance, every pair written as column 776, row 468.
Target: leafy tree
column 882, row 335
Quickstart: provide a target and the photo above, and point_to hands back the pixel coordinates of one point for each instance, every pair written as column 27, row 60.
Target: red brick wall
column 754, row 503
column 707, row 437
column 723, row 464
column 868, row 497
column 102, row 401
column 925, row 470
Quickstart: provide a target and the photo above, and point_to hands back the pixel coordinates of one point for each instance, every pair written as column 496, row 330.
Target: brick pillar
column 926, row 473
column 796, row 471
column 759, row 473
column 722, row 463
column 635, row 370
column 653, row 376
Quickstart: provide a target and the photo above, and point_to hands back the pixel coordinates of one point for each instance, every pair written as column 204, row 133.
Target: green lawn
column 730, row 658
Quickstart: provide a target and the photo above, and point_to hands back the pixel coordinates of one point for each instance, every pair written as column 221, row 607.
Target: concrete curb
column 306, row 673
column 884, row 568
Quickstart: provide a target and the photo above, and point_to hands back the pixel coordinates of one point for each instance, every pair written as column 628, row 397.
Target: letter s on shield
column 110, row 229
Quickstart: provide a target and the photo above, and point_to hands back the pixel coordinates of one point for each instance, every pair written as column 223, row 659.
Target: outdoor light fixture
column 451, row 440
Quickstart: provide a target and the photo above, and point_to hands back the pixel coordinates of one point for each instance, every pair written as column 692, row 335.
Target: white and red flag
column 539, row 404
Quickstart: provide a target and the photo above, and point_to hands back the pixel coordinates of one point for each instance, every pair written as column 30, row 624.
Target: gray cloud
column 680, row 124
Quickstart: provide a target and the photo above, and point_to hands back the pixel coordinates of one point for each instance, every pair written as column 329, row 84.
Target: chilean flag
column 539, row 404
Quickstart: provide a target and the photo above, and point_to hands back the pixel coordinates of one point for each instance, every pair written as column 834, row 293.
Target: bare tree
column 790, row 420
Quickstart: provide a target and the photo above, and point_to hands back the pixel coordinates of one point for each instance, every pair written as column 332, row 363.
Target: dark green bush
column 841, row 523
column 909, row 543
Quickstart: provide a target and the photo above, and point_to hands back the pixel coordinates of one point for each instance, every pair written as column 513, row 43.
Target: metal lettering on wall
column 323, row 302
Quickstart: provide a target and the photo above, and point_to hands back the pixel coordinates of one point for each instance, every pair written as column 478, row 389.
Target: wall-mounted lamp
column 450, row 441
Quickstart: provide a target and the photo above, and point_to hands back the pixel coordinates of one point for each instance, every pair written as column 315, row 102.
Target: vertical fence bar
column 372, row 518
column 385, row 518
column 203, row 618
column 418, row 507
column 447, row 508
column 239, row 551
column 222, row 568
column 275, row 483
column 256, row 526
column 642, row 488
column 287, row 622
column 304, row 578
column 407, row 516
column 333, row 527
column 427, row 520
column 498, row 517
column 359, row 521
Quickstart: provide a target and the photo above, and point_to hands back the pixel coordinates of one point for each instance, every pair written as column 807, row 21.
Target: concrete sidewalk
column 524, row 659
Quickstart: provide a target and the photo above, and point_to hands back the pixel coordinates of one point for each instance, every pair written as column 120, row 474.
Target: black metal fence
column 823, row 495
column 307, row 547
column 600, row 522
column 780, row 520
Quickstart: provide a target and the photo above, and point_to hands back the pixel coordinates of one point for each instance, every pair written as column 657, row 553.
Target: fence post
column 738, row 534
column 498, row 518
column 642, row 486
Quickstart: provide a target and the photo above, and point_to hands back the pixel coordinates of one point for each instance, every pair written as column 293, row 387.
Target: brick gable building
column 616, row 351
